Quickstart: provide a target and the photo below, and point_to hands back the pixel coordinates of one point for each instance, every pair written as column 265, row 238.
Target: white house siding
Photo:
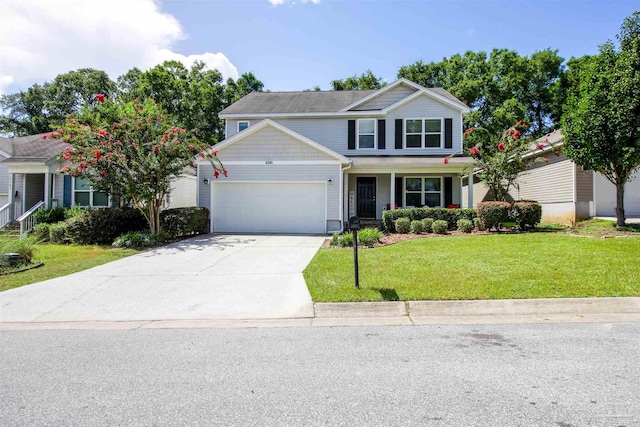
column 34, row 190
column 183, row 192
column 281, row 173
column 605, row 196
column 423, row 107
column 386, row 99
column 4, row 178
column 58, row 189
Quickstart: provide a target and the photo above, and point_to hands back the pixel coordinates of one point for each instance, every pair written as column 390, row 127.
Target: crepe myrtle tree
column 499, row 159
column 133, row 155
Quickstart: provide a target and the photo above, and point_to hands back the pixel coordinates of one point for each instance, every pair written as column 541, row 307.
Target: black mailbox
column 354, row 223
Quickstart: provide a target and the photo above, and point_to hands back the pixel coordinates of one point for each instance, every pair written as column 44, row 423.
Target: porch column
column 470, row 186
column 345, row 198
column 12, row 196
column 47, row 191
column 392, row 205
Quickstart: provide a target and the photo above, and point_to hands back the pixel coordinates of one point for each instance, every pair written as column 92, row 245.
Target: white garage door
column 606, row 197
column 258, row 207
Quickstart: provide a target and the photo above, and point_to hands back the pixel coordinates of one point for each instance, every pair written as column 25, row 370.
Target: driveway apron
column 206, row 277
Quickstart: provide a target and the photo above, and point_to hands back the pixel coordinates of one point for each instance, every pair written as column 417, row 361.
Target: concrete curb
column 391, row 313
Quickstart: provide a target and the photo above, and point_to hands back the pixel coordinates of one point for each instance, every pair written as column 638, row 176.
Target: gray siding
column 332, row 132
column 271, row 144
column 584, row 185
column 278, row 173
column 386, row 99
column 58, row 189
column 183, row 192
column 547, row 182
column 34, row 191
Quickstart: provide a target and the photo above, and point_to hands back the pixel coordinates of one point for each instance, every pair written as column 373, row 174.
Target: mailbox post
column 354, row 226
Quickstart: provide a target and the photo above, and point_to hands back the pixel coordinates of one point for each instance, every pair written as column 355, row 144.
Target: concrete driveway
column 207, row 277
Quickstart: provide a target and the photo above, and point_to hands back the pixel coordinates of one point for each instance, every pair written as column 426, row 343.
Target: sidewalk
column 401, row 313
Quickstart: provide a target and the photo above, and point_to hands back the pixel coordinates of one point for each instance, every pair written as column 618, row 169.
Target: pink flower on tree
column 446, row 160
column 100, row 97
column 516, row 134
column 474, row 151
column 501, row 146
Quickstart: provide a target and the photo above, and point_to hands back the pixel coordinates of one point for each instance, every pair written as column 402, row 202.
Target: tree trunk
column 620, row 218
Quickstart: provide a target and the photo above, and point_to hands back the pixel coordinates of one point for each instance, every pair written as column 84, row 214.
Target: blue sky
column 290, row 45
column 296, row 46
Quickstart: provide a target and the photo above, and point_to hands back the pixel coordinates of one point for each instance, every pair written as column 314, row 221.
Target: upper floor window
column 242, row 125
column 423, row 133
column 366, row 133
column 85, row 195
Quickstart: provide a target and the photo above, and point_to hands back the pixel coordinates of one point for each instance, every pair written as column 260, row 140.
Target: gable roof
column 295, row 102
column 33, row 148
column 270, row 123
column 328, row 102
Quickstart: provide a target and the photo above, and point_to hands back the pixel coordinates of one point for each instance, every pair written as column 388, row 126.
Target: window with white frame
column 242, row 125
column 366, row 133
column 423, row 191
column 85, row 195
column 423, row 133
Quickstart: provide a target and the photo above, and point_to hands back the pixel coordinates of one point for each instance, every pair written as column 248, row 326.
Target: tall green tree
column 601, row 121
column 366, row 81
column 43, row 107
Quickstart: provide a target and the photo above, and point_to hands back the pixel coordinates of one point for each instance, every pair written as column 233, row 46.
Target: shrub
column 344, row 239
column 477, row 223
column 526, row 214
column 465, row 225
column 58, row 232
column 181, row 222
column 49, row 216
column 74, row 211
column 136, row 239
column 369, row 236
column 102, row 226
column 417, row 227
column 40, row 232
column 24, row 247
column 389, row 218
column 440, row 226
column 493, row 214
column 427, row 223
column 403, row 225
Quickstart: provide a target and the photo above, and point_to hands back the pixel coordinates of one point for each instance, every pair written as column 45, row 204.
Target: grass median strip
column 535, row 265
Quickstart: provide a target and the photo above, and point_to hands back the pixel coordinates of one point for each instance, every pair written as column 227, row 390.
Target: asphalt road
column 509, row 375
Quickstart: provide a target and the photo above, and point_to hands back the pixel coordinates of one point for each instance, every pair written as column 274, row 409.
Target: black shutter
column 398, row 134
column 351, row 135
column 381, row 134
column 448, row 191
column 399, row 192
column 66, row 191
column 448, row 133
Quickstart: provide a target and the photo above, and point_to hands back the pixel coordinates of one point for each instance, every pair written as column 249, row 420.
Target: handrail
column 26, row 220
column 5, row 215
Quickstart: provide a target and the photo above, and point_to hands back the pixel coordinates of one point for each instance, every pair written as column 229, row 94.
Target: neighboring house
column 304, row 162
column 28, row 175
column 566, row 192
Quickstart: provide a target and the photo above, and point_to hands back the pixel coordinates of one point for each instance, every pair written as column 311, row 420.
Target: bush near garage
column 183, row 222
column 103, row 226
column 526, row 214
column 493, row 214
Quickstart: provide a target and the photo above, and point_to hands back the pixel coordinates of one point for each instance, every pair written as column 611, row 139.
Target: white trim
column 5, row 154
column 423, row 133
column 91, row 190
column 423, row 192
column 382, row 90
column 375, row 134
column 260, row 116
column 274, row 162
column 248, row 122
column 268, row 122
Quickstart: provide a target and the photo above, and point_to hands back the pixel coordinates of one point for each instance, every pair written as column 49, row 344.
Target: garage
column 269, row 207
column 605, row 196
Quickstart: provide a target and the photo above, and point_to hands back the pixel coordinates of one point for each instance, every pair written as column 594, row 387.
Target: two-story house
column 304, row 162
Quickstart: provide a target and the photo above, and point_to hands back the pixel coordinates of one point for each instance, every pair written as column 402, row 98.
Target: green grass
column 61, row 260
column 533, row 265
column 604, row 228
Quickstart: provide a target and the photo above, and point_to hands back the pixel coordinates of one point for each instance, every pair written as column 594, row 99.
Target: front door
column 366, row 188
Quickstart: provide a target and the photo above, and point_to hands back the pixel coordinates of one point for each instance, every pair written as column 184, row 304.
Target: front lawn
column 60, row 260
column 499, row 266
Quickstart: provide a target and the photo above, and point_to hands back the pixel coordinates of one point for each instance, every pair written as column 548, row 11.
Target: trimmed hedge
column 182, row 222
column 493, row 214
column 451, row 216
column 403, row 225
column 440, row 226
column 103, row 226
column 427, row 223
column 465, row 226
column 526, row 214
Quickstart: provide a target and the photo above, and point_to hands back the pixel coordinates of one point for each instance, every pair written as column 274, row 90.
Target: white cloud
column 279, row 2
column 40, row 39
